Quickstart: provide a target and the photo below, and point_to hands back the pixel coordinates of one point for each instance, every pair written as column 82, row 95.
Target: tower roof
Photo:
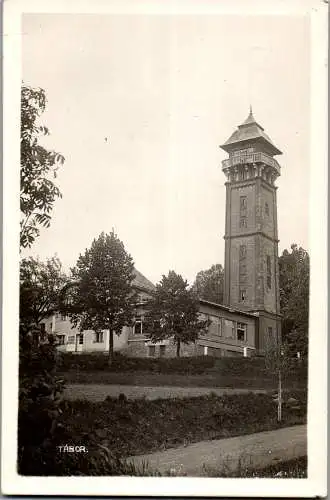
column 247, row 131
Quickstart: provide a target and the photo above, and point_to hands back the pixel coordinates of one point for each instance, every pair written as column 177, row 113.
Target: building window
column 63, row 317
column 242, row 295
column 60, row 339
column 138, row 330
column 242, row 251
column 81, row 338
column 151, row 351
column 215, row 325
column 71, row 339
column 229, row 329
column 241, row 332
column 266, row 208
column 269, row 272
column 243, row 203
column 98, row 338
column 270, row 333
column 162, row 350
column 242, row 222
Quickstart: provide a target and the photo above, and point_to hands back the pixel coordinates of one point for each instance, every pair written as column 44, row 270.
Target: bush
column 99, row 362
column 39, row 399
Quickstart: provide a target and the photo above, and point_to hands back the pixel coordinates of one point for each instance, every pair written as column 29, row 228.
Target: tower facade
column 251, row 234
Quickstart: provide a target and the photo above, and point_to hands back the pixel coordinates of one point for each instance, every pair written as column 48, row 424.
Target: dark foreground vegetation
column 295, row 468
column 118, row 428
column 201, row 371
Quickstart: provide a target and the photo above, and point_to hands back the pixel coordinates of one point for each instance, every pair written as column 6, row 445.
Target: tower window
column 81, row 338
column 270, row 333
column 266, row 208
column 242, row 251
column 242, row 222
column 242, row 295
column 269, row 272
column 243, row 203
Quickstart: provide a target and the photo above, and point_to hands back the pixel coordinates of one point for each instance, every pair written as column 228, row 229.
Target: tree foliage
column 294, row 297
column 173, row 312
column 40, row 286
column 38, row 167
column 101, row 297
column 209, row 284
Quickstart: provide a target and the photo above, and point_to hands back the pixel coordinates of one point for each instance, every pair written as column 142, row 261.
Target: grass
column 147, row 379
column 295, row 468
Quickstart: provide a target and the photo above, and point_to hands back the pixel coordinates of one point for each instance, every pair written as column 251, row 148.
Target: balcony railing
column 251, row 158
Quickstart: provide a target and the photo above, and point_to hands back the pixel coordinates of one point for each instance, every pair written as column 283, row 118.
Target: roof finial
column 250, row 110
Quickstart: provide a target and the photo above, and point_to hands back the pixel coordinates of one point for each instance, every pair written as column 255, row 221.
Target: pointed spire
column 250, row 119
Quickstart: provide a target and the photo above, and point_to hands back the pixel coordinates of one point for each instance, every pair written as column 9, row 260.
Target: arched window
column 266, row 208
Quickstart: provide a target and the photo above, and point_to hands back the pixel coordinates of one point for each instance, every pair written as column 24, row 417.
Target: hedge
column 96, row 362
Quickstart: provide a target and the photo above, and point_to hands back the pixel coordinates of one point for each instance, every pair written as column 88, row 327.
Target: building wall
column 63, row 327
column 223, row 333
column 165, row 349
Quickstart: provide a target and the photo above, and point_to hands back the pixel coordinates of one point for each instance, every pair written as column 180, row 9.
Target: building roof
column 141, row 281
column 227, row 308
column 247, row 131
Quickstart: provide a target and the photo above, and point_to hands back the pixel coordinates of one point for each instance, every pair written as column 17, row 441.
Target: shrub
column 39, row 399
column 99, row 362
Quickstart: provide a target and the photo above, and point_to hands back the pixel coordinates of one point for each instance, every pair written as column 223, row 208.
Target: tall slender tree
column 102, row 297
column 173, row 312
column 294, row 297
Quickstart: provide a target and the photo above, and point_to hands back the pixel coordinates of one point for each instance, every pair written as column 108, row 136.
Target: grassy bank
column 118, row 428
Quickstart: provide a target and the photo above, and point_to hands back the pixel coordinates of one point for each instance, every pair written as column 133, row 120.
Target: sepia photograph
column 163, row 324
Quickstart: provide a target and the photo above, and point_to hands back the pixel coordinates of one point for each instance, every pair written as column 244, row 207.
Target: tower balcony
column 250, row 159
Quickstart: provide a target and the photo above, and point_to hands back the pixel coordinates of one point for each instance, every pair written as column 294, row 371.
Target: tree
column 102, row 296
column 279, row 363
column 173, row 312
column 40, row 286
column 209, row 284
column 38, row 167
column 294, row 297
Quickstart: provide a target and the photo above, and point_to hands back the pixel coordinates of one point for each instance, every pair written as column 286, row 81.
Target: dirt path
column 256, row 450
column 98, row 392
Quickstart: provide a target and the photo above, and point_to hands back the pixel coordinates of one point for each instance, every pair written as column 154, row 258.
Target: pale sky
column 166, row 91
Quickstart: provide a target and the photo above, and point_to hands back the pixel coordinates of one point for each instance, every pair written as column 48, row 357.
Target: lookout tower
column 251, row 236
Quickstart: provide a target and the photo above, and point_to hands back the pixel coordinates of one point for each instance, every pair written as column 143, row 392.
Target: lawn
column 148, row 379
column 118, row 428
